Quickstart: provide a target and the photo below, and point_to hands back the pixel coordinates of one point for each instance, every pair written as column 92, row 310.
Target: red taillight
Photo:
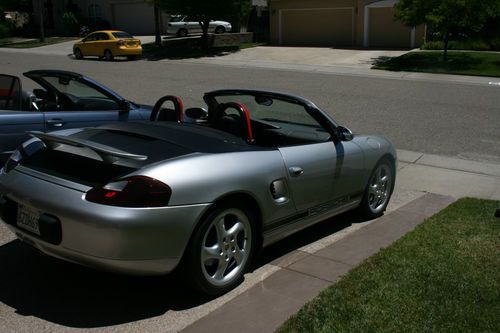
column 121, row 42
column 136, row 191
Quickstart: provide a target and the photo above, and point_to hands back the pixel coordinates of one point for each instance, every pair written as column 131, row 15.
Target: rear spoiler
column 107, row 154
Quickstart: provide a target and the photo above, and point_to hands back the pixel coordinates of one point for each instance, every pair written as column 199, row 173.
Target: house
column 341, row 23
column 134, row 16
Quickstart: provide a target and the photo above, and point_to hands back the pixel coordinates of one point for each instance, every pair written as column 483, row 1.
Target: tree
column 204, row 11
column 447, row 17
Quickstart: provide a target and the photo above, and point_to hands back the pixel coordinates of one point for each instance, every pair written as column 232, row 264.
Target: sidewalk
column 303, row 273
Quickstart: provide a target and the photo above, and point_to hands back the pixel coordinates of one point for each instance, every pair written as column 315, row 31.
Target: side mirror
column 33, row 102
column 196, row 113
column 125, row 106
column 344, row 134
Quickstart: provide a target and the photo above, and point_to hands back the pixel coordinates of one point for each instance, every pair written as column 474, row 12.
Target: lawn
column 30, row 43
column 442, row 277
column 464, row 63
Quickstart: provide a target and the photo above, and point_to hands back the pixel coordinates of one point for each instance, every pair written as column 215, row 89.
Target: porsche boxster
column 200, row 189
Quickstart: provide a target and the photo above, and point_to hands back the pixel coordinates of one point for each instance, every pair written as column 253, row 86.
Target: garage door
column 317, row 27
column 135, row 18
column 385, row 31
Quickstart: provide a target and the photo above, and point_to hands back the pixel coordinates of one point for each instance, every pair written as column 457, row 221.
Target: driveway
column 318, row 56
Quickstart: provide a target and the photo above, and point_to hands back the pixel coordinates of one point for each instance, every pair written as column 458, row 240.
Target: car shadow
column 75, row 296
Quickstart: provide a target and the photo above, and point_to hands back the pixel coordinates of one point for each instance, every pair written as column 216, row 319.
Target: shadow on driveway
column 75, row 296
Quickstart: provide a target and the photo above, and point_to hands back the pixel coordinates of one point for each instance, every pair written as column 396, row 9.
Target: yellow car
column 107, row 44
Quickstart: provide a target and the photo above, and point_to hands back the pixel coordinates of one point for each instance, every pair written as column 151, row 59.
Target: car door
column 323, row 175
column 88, row 46
column 193, row 26
column 80, row 101
column 15, row 118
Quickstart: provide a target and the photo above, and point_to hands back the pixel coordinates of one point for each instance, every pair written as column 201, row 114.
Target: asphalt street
column 432, row 116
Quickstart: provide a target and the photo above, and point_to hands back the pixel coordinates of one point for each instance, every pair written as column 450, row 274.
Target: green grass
column 185, row 49
column 464, row 63
column 442, row 277
column 35, row 42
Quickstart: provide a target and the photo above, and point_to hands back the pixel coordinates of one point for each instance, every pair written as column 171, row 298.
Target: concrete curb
column 265, row 306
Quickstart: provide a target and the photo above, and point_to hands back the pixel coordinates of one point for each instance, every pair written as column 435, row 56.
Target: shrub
column 433, row 45
column 6, row 29
column 70, row 23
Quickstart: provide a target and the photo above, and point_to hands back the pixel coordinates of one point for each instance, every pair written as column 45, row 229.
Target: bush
column 433, row 45
column 6, row 29
column 71, row 24
column 469, row 44
column 464, row 44
column 495, row 44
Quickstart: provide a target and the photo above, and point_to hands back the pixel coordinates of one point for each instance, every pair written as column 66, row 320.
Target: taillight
column 121, row 42
column 136, row 191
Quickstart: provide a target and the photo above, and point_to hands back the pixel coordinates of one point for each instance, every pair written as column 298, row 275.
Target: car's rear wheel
column 220, row 30
column 78, row 54
column 379, row 189
column 108, row 55
column 182, row 33
column 221, row 249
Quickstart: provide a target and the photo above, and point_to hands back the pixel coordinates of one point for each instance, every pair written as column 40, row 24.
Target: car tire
column 108, row 55
column 182, row 33
column 221, row 249
column 220, row 30
column 78, row 54
column 379, row 189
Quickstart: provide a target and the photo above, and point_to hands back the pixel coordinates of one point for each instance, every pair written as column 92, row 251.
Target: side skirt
column 278, row 230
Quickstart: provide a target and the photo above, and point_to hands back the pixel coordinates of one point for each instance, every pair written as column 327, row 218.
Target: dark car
column 65, row 100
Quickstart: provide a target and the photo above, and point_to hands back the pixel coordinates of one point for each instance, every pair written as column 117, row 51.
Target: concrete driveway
column 318, row 56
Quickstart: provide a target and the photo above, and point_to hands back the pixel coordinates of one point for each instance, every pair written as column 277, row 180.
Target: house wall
column 134, row 16
column 337, row 23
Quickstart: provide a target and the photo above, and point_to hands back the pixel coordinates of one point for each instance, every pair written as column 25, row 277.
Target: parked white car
column 183, row 25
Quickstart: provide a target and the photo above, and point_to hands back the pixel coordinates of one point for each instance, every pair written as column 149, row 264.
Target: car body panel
column 203, row 165
column 96, row 43
column 194, row 27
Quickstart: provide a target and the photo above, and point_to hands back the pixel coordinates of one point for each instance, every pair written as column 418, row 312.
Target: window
column 75, row 95
column 10, row 92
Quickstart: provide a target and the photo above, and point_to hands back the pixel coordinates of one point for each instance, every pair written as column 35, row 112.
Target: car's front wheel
column 108, row 55
column 221, row 249
column 379, row 189
column 220, row 30
column 182, row 33
column 78, row 54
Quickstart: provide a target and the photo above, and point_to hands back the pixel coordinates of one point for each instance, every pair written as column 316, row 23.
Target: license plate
column 27, row 219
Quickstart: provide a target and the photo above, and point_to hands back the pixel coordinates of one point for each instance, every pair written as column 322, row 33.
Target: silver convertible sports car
column 198, row 189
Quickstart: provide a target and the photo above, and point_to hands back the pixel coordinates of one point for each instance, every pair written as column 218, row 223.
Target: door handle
column 296, row 171
column 55, row 122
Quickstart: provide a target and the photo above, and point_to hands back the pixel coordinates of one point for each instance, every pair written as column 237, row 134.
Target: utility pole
column 157, row 26
column 40, row 15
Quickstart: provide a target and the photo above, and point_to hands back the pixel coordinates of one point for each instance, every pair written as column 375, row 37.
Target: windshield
column 122, row 34
column 272, row 109
column 176, row 19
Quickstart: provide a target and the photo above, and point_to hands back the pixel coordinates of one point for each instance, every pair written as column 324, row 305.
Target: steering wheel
column 158, row 112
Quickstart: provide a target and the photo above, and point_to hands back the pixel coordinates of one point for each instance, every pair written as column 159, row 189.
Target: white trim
column 280, row 33
column 383, row 4
column 280, row 19
column 366, row 27
column 412, row 37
